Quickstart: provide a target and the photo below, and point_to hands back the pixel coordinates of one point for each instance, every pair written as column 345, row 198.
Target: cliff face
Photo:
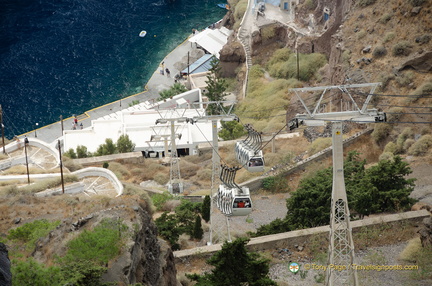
column 148, row 260
column 5, row 273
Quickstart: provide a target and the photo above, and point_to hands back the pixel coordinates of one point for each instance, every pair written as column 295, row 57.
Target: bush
column 386, row 156
column 161, row 178
column 381, row 131
column 124, row 144
column 275, row 184
column 422, row 146
column 30, row 232
column 394, row 114
column 82, row 151
column 402, row 48
column 99, row 245
column 385, row 18
column 389, row 36
column 159, row 200
column 391, row 148
column 119, row 170
column 106, row 149
column 31, row 272
column 405, row 79
column 416, row 3
column 70, row 153
column 423, row 39
column 407, row 144
column 364, row 3
column 379, row 52
column 424, row 89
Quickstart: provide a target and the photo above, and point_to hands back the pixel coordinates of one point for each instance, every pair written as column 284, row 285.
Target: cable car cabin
column 234, row 201
column 252, row 160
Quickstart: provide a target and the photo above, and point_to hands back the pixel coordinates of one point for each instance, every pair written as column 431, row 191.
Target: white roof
column 212, row 40
column 140, row 125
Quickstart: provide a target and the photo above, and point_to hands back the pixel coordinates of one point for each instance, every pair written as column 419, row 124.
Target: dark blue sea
column 64, row 57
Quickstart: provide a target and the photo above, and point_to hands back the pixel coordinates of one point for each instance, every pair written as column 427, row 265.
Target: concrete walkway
column 174, row 61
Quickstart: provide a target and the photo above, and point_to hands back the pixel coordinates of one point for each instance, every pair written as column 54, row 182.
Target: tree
column 198, row 231
column 235, row 266
column 231, row 130
column 71, row 153
column 124, row 144
column 168, row 228
column 216, row 86
column 82, row 151
column 380, row 188
column 176, row 88
column 106, row 149
column 205, row 209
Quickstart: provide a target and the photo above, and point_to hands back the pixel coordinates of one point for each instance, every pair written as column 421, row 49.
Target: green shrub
column 407, row 144
column 422, row 146
column 161, row 178
column 391, row 148
column 275, row 184
column 402, row 48
column 379, row 52
column 416, row 3
column 106, row 149
column 386, row 156
column 119, row 169
column 99, row 245
column 176, row 88
column 30, row 272
column 105, row 165
column 82, row 151
column 385, row 79
column 405, row 79
column 30, row 232
column 424, row 89
column 385, row 18
column 364, row 3
column 198, row 231
column 406, row 133
column 423, row 39
column 361, row 34
column 124, row 144
column 159, row 200
column 394, row 114
column 381, row 131
column 70, row 153
column 389, row 37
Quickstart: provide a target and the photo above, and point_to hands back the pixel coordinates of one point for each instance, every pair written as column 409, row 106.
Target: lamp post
column 26, row 141
column 61, row 165
column 37, row 124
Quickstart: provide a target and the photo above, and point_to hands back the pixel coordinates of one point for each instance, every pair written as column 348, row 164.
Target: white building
column 139, row 123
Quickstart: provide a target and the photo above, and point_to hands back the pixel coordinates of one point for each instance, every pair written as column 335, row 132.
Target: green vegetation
column 159, row 200
column 30, row 232
column 421, row 146
column 171, row 226
column 381, row 131
column 234, row 265
column 99, row 245
column 309, row 64
column 364, row 3
column 389, row 37
column 198, row 231
column 379, row 52
column 381, row 188
column 84, row 263
column 275, row 184
column 205, row 210
column 402, row 48
column 216, row 86
column 231, row 130
column 124, row 144
column 176, row 88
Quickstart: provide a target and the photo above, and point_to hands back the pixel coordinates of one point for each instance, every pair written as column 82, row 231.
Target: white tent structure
column 212, row 40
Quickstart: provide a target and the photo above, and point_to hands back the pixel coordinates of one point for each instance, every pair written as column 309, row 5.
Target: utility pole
column 341, row 247
column 26, row 142
column 61, row 123
column 2, row 129
column 61, row 165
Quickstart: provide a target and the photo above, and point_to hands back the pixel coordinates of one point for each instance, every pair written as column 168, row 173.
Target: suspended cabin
column 251, row 160
column 234, row 201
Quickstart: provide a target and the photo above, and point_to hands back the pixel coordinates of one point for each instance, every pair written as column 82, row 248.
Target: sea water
column 64, row 57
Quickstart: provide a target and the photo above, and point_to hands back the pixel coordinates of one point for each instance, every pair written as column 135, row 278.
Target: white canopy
column 212, row 40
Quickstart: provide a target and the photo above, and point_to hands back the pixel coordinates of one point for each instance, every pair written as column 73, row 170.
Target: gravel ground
column 386, row 255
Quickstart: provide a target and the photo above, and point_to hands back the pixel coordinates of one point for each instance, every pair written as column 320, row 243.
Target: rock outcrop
column 5, row 272
column 148, row 261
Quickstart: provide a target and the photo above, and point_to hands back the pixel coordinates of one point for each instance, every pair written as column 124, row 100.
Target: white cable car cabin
column 234, row 201
column 252, row 160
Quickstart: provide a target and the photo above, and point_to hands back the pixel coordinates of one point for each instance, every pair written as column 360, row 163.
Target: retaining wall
column 299, row 237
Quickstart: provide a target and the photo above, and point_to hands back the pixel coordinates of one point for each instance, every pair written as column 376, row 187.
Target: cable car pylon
column 341, row 247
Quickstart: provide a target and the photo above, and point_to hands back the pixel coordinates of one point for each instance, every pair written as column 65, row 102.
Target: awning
column 212, row 40
column 201, row 65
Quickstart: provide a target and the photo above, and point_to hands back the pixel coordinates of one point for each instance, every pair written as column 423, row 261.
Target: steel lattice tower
column 341, row 247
